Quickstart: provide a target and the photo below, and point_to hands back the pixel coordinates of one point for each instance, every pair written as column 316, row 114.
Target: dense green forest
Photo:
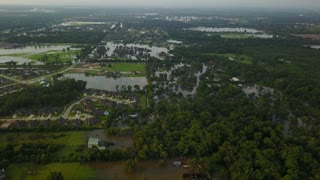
column 58, row 94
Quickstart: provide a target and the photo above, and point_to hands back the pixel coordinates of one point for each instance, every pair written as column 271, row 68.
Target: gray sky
column 171, row 3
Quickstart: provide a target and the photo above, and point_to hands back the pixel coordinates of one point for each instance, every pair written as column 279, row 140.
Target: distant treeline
column 65, row 37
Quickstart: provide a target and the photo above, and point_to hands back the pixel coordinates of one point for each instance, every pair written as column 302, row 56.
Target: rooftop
column 6, row 125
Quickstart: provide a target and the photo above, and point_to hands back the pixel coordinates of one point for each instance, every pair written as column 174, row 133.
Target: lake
column 225, row 29
column 33, row 49
column 109, row 84
column 19, row 60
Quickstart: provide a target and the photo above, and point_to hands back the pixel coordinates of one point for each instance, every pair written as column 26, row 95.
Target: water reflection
column 226, row 29
column 19, row 60
column 33, row 49
column 177, row 87
column 109, row 84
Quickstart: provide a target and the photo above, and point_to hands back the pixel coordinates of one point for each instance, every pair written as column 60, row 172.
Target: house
column 234, row 79
column 6, row 125
column 95, row 142
column 177, row 163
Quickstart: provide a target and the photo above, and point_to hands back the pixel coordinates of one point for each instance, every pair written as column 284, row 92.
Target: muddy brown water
column 149, row 169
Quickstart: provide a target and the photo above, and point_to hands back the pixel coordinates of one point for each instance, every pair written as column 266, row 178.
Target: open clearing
column 125, row 69
column 69, row 138
column 35, row 171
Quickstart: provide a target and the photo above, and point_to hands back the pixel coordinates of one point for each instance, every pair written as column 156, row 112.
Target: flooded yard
column 118, row 141
column 257, row 90
column 177, row 87
column 148, row 169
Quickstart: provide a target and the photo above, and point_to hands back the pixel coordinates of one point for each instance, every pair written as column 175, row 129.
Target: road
column 65, row 113
column 31, row 81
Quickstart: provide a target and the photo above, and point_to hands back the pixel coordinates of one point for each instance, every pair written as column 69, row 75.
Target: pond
column 32, row 49
column 109, row 84
column 19, row 60
column 225, row 29
column 154, row 49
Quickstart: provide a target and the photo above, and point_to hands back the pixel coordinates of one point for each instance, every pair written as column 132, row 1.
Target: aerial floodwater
column 32, row 49
column 109, row 83
column 19, row 60
column 161, row 90
column 225, row 29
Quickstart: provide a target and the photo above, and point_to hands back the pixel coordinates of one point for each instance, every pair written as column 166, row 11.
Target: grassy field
column 143, row 102
column 71, row 140
column 34, row 171
column 74, row 138
column 53, row 55
column 245, row 59
column 5, row 31
column 125, row 67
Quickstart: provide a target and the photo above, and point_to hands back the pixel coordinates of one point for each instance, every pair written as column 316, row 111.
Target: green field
column 71, row 140
column 245, row 59
column 125, row 67
column 54, row 55
column 49, row 56
column 34, row 171
column 74, row 138
column 143, row 102
column 5, row 31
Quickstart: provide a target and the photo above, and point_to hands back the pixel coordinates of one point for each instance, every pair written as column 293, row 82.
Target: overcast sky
column 173, row 3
